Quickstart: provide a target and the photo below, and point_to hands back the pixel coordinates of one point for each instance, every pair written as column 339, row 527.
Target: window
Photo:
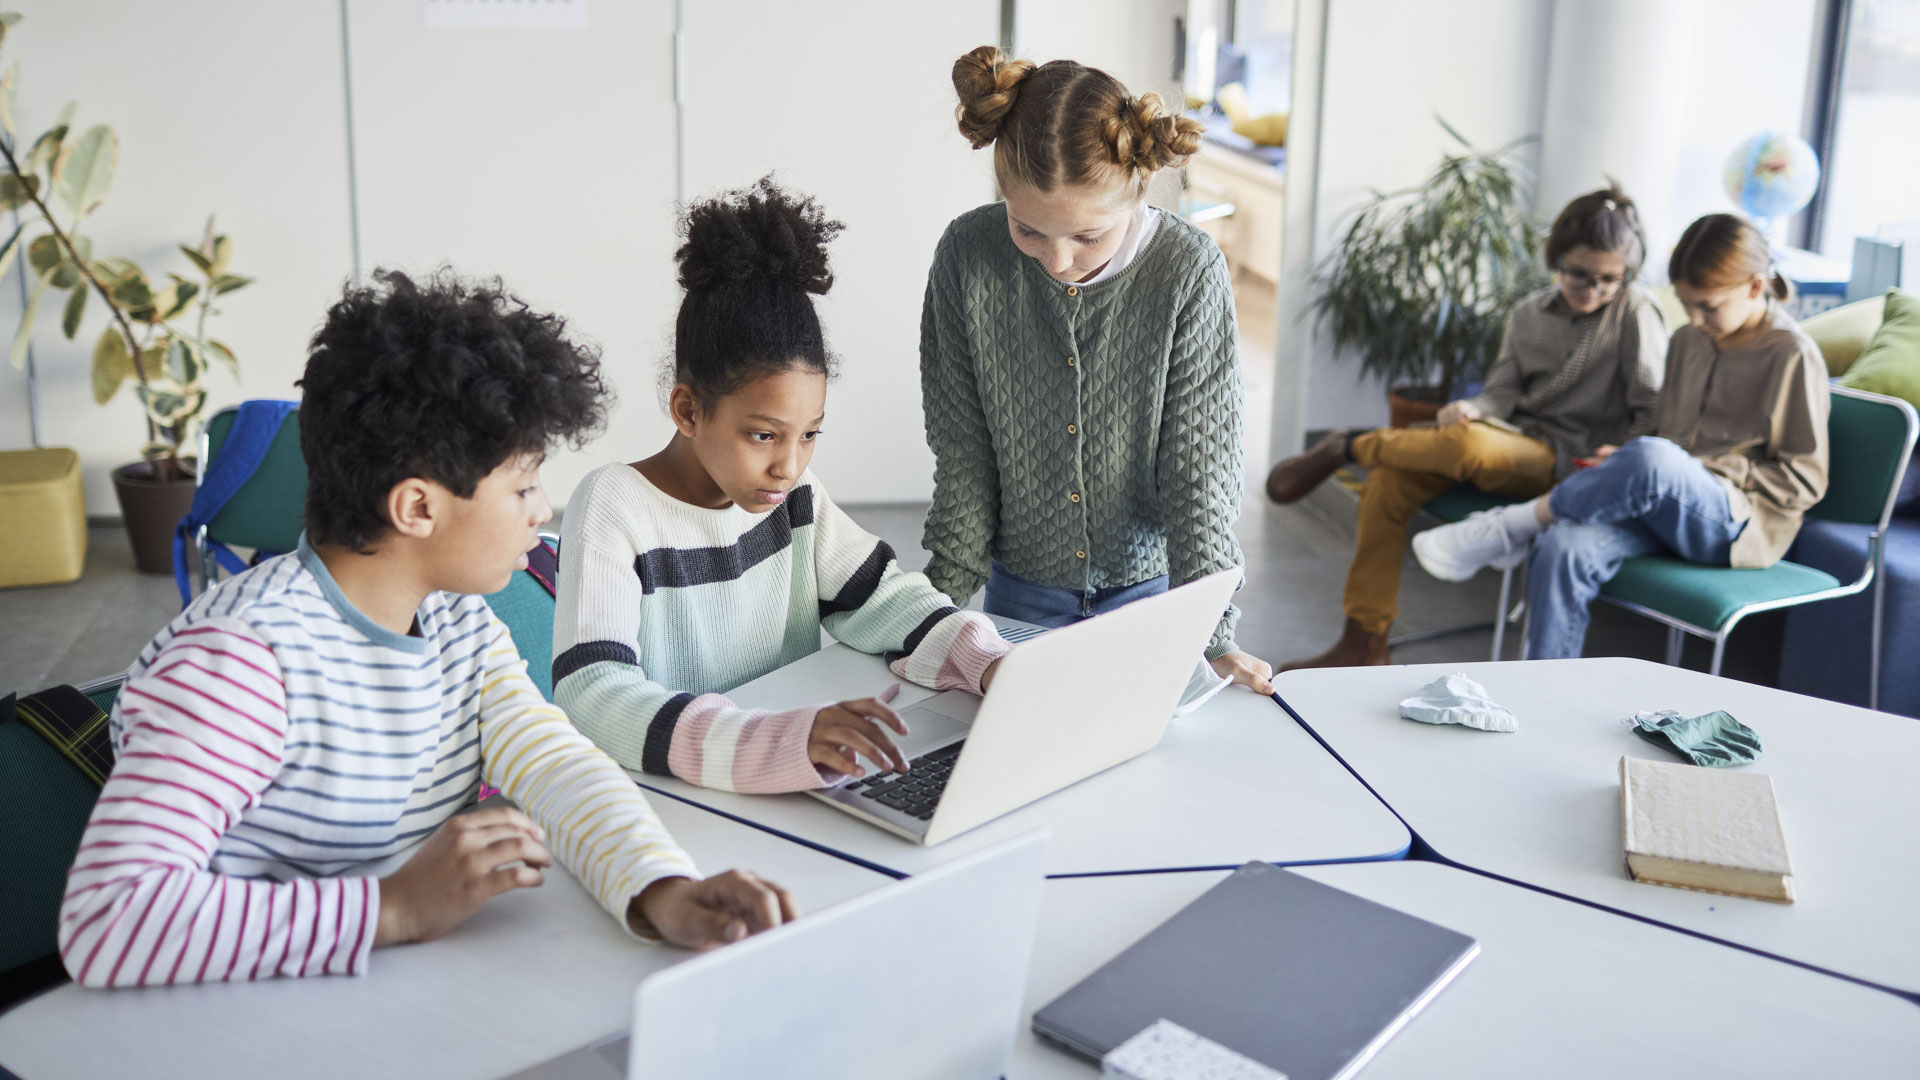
column 1870, row 153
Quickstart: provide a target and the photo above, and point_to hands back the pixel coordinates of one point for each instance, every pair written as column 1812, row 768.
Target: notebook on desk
column 1299, row 976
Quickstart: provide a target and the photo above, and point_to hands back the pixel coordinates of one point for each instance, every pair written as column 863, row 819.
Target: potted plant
column 1422, row 280
column 154, row 334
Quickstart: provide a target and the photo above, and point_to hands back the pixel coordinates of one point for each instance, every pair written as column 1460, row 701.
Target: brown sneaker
column 1356, row 648
column 1293, row 478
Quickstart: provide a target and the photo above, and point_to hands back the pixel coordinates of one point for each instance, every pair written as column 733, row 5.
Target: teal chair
column 268, row 511
column 1455, row 504
column 1870, row 438
column 527, row 609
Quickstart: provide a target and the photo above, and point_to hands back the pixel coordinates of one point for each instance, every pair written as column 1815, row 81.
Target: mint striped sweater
column 272, row 738
column 664, row 605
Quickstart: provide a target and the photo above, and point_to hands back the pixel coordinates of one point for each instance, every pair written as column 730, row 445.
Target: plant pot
column 152, row 508
column 1410, row 405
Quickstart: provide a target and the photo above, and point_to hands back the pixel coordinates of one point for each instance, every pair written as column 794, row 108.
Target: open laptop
column 809, row 999
column 1063, row 706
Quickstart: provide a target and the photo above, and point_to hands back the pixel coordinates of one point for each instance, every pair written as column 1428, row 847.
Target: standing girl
column 1738, row 452
column 720, row 558
column 1079, row 363
column 1578, row 371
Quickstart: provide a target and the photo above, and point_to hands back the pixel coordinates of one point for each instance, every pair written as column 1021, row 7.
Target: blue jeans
column 1651, row 497
column 1051, row 605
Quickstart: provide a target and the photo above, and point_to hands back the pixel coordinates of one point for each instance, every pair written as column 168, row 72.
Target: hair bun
column 761, row 233
column 988, row 82
column 1146, row 137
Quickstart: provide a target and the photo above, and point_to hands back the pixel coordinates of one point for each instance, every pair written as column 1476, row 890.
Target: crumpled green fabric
column 1715, row 740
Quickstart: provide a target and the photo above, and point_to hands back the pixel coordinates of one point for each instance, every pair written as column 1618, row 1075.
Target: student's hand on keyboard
column 1246, row 669
column 840, row 731
column 470, row 859
column 713, row 911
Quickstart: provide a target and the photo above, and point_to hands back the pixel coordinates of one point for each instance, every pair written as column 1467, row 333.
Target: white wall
column 229, row 106
column 1388, row 67
column 848, row 105
column 1132, row 40
column 546, row 157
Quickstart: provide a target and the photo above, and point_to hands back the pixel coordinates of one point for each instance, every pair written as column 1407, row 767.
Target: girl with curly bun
column 721, row 557
column 1079, row 363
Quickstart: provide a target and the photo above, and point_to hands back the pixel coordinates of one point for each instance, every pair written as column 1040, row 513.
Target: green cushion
column 1458, row 501
column 269, row 510
column 44, row 803
column 528, row 612
column 1843, row 332
column 1891, row 363
column 1707, row 596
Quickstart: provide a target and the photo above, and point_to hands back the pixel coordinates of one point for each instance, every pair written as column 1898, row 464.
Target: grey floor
column 1296, row 562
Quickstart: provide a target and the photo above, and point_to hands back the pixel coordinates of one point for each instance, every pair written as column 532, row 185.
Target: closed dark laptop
column 1300, row 976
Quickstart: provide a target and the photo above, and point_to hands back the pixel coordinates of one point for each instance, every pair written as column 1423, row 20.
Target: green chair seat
column 269, row 510
column 527, row 609
column 1708, row 596
column 1461, row 500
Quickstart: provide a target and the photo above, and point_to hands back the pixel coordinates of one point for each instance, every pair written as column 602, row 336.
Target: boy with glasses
column 1577, row 375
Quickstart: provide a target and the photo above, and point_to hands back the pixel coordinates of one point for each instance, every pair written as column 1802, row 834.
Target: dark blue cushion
column 1825, row 649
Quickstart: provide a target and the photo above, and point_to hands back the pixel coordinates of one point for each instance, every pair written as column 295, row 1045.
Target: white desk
column 1542, row 805
column 536, row 973
column 1234, row 780
column 1559, row 989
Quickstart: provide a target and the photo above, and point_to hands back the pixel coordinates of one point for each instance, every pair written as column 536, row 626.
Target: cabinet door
column 850, row 102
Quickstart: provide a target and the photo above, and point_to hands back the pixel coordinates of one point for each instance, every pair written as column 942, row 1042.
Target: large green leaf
column 131, row 290
column 76, row 307
column 184, row 293
column 227, row 283
column 47, row 254
column 222, row 254
column 22, row 337
column 89, row 171
column 14, row 192
column 200, row 262
column 225, row 354
column 185, row 363
column 45, row 147
column 112, row 364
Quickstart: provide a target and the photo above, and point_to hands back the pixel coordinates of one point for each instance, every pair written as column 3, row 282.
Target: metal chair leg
column 1674, row 641
column 1500, row 614
column 1879, row 608
column 1719, row 652
column 207, row 567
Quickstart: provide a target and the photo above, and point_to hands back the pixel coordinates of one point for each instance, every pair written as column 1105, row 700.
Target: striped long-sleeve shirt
column 664, row 605
column 272, row 739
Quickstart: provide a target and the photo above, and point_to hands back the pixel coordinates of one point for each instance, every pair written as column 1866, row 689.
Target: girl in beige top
column 1738, row 453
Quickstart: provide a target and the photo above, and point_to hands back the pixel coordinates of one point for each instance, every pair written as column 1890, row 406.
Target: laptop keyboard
column 917, row 791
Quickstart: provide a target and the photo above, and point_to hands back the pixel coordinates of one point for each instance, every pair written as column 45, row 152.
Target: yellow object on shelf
column 43, row 517
column 1267, row 130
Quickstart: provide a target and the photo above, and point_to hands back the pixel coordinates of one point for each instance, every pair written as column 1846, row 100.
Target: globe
column 1771, row 176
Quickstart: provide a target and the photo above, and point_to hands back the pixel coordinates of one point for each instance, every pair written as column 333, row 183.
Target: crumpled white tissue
column 1456, row 699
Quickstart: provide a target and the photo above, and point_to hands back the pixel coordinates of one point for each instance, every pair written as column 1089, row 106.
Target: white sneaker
column 1458, row 551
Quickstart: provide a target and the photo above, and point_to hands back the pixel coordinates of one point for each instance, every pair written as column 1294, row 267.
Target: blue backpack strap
column 254, row 428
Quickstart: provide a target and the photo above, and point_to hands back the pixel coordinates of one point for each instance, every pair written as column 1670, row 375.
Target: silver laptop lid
column 1078, row 700
column 807, row 999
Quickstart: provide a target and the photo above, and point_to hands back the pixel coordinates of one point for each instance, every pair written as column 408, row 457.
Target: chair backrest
column 1869, row 441
column 526, row 607
column 268, row 511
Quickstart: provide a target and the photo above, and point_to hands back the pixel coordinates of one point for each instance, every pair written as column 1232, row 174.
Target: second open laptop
column 1063, row 706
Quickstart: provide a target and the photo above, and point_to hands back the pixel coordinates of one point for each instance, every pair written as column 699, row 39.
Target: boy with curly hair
column 339, row 704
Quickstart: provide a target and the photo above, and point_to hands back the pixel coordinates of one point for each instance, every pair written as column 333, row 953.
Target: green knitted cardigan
column 1085, row 437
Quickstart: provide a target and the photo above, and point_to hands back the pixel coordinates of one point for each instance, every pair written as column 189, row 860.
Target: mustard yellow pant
column 1408, row 467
